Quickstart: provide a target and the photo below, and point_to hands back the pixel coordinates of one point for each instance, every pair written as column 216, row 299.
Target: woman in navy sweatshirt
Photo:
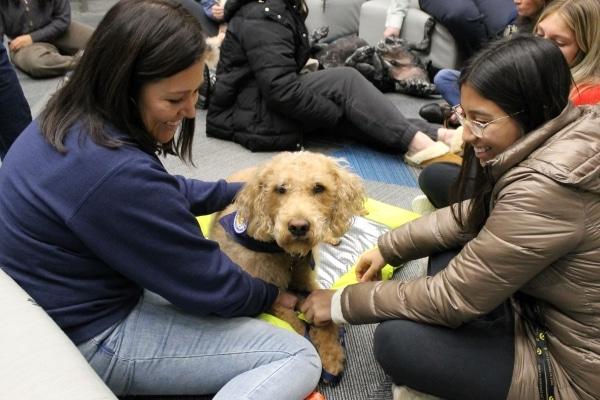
column 106, row 241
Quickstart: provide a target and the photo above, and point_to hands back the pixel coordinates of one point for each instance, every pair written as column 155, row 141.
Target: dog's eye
column 318, row 188
column 280, row 189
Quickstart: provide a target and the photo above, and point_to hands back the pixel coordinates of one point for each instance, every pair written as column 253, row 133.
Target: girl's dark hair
column 524, row 75
column 136, row 43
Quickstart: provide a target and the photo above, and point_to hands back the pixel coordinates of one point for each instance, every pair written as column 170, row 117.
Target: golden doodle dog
column 289, row 205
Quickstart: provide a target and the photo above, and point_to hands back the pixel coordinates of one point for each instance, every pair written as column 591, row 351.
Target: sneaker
column 422, row 205
column 436, row 153
column 406, row 393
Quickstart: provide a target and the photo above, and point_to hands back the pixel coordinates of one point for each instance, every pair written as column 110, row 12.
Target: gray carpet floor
column 214, row 159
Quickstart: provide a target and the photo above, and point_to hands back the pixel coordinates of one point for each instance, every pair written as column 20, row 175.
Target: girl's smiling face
column 497, row 136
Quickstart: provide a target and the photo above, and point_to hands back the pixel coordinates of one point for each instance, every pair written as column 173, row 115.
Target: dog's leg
column 423, row 45
column 290, row 317
column 327, row 342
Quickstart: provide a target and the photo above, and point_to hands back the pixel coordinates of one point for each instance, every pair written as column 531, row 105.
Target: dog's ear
column 251, row 204
column 350, row 200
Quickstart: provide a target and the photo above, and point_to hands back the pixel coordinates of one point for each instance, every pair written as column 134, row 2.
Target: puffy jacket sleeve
column 270, row 48
column 427, row 235
column 61, row 18
column 534, row 222
column 138, row 221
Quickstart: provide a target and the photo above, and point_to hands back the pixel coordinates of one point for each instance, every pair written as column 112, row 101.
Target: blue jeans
column 159, row 349
column 446, row 81
column 14, row 110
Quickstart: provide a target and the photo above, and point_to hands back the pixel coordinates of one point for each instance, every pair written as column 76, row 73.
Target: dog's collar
column 236, row 228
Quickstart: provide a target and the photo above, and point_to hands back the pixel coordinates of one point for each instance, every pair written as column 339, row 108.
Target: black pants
column 14, row 110
column 436, row 180
column 473, row 361
column 368, row 115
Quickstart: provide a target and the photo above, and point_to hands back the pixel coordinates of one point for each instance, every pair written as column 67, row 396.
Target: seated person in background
column 215, row 10
column 106, row 241
column 43, row 40
column 262, row 101
column 574, row 25
column 14, row 110
column 395, row 17
column 528, row 13
column 526, row 275
column 446, row 80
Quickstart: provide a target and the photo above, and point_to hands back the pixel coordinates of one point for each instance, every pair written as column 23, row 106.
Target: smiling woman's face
column 554, row 28
column 165, row 103
column 497, row 136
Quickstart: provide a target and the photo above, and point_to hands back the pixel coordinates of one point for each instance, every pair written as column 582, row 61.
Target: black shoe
column 433, row 113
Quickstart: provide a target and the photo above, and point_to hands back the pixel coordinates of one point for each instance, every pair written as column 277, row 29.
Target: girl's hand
column 369, row 266
column 317, row 307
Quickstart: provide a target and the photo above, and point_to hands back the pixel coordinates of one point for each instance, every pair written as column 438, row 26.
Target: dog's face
column 403, row 64
column 300, row 199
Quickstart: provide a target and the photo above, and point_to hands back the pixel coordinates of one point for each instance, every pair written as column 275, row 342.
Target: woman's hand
column 218, row 11
column 317, row 307
column 20, row 41
column 369, row 266
column 391, row 31
column 286, row 300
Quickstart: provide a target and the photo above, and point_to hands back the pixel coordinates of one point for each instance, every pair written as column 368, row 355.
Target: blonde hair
column 583, row 18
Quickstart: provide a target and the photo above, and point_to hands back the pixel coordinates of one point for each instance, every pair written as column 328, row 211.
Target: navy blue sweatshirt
column 84, row 232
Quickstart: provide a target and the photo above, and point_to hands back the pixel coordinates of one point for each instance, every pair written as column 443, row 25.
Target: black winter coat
column 258, row 99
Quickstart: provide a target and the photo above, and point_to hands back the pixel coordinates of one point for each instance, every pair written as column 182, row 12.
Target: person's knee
column 397, row 347
column 349, row 73
column 429, row 179
column 446, row 76
column 461, row 13
column 388, row 334
column 310, row 364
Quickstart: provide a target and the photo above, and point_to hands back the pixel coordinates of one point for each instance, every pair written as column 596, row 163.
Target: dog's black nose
column 298, row 227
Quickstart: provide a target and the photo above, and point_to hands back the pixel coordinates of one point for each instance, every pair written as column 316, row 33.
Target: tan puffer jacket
column 542, row 237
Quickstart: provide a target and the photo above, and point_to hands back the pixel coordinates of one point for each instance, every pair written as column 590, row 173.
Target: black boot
column 205, row 90
column 434, row 113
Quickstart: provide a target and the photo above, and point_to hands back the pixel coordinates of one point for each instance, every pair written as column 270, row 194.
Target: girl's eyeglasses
column 476, row 127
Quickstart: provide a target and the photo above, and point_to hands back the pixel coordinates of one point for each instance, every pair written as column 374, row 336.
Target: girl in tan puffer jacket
column 515, row 313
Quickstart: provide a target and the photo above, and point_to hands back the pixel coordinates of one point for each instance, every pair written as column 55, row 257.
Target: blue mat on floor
column 376, row 166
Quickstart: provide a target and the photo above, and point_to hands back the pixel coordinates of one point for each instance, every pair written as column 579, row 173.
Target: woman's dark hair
column 528, row 78
column 136, row 43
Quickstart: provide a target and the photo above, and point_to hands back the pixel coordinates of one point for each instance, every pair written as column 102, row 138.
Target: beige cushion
column 37, row 360
column 340, row 15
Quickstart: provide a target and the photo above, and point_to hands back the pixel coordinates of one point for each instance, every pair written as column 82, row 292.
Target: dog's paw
column 328, row 343
column 334, row 241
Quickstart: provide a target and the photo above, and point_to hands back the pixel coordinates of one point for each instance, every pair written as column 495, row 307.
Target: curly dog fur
column 296, row 200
